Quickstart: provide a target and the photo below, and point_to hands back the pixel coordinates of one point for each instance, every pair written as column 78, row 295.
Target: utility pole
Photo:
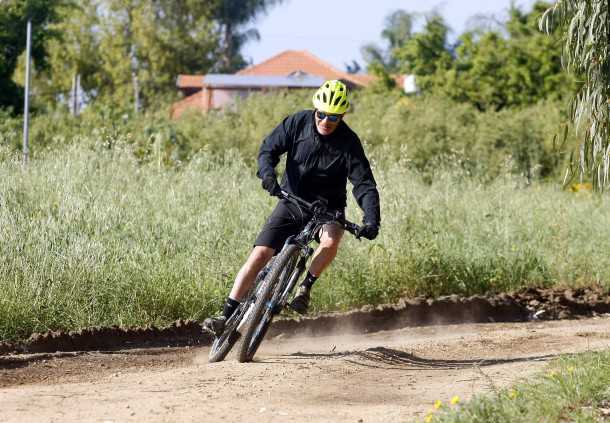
column 26, row 107
column 74, row 95
column 77, row 95
column 136, row 92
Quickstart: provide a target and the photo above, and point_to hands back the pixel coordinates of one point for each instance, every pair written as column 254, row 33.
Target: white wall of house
column 223, row 97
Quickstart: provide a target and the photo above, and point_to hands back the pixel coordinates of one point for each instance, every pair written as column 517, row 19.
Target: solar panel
column 296, row 80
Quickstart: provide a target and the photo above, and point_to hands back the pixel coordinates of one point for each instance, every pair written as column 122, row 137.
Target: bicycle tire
column 223, row 345
column 285, row 273
column 252, row 338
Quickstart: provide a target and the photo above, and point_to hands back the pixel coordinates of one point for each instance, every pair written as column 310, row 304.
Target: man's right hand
column 368, row 231
column 270, row 185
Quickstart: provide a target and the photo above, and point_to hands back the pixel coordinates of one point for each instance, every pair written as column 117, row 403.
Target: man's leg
column 330, row 239
column 258, row 258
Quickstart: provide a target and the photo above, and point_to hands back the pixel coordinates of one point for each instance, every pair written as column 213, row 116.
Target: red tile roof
column 188, row 81
column 291, row 61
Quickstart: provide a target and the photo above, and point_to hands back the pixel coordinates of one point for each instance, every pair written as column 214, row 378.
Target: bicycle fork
column 277, row 304
column 294, row 278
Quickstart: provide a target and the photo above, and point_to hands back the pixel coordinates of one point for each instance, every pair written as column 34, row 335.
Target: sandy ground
column 391, row 376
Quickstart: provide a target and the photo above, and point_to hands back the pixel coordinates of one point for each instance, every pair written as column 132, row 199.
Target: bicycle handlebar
column 318, row 207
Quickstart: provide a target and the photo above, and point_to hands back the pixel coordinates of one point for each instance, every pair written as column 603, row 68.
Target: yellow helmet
column 331, row 97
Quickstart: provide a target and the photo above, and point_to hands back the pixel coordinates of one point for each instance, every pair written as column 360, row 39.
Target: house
column 291, row 69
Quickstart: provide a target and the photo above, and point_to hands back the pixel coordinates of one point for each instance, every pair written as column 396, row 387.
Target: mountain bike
column 273, row 286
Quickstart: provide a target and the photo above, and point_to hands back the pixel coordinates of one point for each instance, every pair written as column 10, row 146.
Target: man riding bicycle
column 322, row 153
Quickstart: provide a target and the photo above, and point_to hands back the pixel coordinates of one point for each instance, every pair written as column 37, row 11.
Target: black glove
column 270, row 184
column 368, row 231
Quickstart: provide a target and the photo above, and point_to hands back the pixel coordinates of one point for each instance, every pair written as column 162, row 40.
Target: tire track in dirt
column 378, row 377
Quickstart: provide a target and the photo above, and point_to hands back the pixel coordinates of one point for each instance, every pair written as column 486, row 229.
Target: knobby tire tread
column 219, row 354
column 245, row 354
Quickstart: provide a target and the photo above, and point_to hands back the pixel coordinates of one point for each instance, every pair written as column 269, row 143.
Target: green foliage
column 75, row 51
column 586, row 53
column 109, row 42
column 430, row 133
column 425, row 53
column 492, row 71
column 153, row 41
column 574, row 388
column 14, row 15
column 398, row 29
column 383, row 82
column 511, row 66
column 425, row 133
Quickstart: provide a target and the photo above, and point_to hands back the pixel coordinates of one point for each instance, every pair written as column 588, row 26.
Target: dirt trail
column 382, row 377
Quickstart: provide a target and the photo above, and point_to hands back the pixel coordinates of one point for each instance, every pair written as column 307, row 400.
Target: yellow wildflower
column 585, row 187
column 438, row 404
column 513, row 394
column 428, row 418
column 454, row 400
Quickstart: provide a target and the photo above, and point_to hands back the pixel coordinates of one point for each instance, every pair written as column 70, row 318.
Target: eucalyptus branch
column 586, row 54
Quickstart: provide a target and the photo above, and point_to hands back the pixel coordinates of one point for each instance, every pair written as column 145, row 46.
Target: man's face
column 326, row 123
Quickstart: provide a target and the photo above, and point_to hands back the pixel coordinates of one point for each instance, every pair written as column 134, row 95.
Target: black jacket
column 318, row 166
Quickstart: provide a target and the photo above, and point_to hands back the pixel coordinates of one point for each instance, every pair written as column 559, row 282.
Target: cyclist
column 322, row 154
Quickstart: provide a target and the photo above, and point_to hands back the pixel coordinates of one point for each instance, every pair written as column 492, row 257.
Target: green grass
column 91, row 235
column 572, row 389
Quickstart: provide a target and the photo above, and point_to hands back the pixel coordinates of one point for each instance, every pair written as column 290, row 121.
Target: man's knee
column 261, row 254
column 330, row 244
column 331, row 237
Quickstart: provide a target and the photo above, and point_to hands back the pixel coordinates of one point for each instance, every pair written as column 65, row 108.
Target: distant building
column 291, row 69
column 408, row 84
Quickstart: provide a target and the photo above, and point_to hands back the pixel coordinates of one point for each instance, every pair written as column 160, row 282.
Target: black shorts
column 285, row 220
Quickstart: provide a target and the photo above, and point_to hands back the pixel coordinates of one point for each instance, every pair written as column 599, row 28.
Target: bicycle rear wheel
column 263, row 311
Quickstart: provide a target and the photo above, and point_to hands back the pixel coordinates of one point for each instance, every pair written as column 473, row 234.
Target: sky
column 335, row 30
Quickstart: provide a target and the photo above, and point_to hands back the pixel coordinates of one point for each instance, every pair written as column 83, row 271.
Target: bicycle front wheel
column 223, row 344
column 262, row 313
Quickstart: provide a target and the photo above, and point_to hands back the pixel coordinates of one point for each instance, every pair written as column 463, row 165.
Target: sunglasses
column 331, row 118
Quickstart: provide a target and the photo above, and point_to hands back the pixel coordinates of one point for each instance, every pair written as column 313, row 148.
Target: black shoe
column 215, row 325
column 300, row 302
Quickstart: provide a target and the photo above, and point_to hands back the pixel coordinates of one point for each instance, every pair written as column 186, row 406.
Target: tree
column 14, row 15
column 511, row 66
column 478, row 75
column 232, row 17
column 398, row 29
column 586, row 52
column 74, row 55
column 124, row 48
column 426, row 53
